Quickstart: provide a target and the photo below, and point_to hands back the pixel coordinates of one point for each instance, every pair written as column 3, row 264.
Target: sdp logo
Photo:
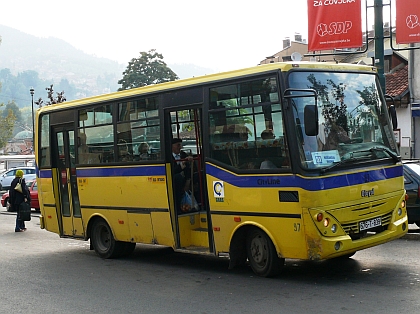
column 333, row 28
column 412, row 21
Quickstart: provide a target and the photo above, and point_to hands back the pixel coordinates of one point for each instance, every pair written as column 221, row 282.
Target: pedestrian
column 16, row 198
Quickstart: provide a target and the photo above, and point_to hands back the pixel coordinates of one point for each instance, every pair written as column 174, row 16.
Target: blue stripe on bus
column 113, row 172
column 310, row 184
column 122, row 172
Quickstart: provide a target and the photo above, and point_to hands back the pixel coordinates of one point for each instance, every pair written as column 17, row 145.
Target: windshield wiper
column 342, row 162
column 394, row 156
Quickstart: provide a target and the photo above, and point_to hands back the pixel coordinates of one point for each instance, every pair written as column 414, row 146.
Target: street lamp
column 32, row 91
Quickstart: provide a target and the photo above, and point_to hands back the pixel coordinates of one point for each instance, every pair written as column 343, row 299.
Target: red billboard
column 407, row 20
column 334, row 24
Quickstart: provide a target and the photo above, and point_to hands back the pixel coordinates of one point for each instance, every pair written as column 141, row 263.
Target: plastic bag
column 188, row 202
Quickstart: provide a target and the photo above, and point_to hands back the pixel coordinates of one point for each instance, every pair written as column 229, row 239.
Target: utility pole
column 379, row 42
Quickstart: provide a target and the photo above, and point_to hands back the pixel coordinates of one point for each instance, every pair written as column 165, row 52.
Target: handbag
column 18, row 186
column 25, row 211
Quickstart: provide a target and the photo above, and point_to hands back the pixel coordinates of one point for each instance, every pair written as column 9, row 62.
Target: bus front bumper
column 331, row 247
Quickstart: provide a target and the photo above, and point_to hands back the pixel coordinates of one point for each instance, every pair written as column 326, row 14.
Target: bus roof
column 282, row 66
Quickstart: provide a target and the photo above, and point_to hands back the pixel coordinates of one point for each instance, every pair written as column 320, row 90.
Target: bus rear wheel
column 262, row 254
column 104, row 242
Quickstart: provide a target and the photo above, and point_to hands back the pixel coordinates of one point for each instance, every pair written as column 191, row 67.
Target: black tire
column 128, row 248
column 262, row 254
column 103, row 241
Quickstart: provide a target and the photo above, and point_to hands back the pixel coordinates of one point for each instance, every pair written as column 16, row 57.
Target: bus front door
column 190, row 212
column 65, row 183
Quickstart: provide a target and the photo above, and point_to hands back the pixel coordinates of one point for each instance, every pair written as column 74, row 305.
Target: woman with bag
column 18, row 193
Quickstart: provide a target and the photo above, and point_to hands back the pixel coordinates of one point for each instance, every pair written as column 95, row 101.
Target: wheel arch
column 237, row 246
column 91, row 223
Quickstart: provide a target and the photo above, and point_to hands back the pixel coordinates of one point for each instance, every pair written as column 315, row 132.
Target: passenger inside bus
column 85, row 157
column 82, row 147
column 336, row 136
column 143, row 151
column 181, row 170
column 267, row 163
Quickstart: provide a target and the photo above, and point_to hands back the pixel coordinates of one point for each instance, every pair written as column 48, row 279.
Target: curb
column 413, row 235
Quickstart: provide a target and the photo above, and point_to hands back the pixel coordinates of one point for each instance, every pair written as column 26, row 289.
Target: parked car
column 33, row 190
column 412, row 187
column 7, row 176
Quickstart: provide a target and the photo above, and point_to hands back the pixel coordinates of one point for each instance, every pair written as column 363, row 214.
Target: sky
column 219, row 34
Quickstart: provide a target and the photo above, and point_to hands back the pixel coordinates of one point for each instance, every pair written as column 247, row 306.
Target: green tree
column 6, row 127
column 148, row 69
column 12, row 110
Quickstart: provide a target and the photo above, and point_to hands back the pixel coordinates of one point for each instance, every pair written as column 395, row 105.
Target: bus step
column 199, row 237
column 195, row 250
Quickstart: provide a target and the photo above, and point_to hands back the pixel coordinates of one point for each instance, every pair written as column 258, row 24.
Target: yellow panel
column 49, row 215
column 129, row 192
column 140, row 228
column 163, row 229
column 67, row 226
column 78, row 227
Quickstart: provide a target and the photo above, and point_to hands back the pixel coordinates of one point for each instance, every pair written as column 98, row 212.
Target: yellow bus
column 286, row 160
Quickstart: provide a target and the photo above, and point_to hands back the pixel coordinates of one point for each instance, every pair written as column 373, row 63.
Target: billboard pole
column 379, row 42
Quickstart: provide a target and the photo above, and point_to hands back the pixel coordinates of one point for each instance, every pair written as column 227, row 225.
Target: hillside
column 54, row 59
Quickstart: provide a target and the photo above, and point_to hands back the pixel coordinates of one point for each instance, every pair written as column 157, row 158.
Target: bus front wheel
column 104, row 242
column 262, row 254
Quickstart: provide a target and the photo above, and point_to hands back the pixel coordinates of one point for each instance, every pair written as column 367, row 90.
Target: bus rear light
column 407, row 197
column 334, row 228
column 399, row 211
column 403, row 204
column 319, row 217
column 237, row 219
column 326, row 222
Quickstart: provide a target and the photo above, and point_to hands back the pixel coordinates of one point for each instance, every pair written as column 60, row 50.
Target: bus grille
column 352, row 228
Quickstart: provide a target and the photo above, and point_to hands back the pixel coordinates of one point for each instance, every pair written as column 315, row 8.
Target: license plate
column 369, row 224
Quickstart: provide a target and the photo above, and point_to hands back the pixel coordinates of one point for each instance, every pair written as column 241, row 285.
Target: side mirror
column 310, row 116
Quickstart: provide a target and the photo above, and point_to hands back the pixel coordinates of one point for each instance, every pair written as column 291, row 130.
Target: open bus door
column 65, row 182
column 191, row 222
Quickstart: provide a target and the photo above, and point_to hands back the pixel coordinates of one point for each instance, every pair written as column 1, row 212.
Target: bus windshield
column 348, row 122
